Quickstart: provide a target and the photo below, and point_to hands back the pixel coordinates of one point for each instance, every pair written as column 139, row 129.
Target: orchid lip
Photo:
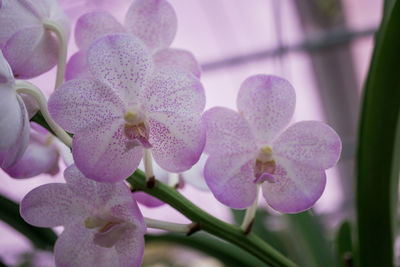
column 136, row 129
column 265, row 166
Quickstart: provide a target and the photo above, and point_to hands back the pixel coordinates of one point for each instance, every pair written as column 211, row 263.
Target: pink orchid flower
column 152, row 21
column 249, row 147
column 102, row 223
column 14, row 121
column 29, row 48
column 127, row 107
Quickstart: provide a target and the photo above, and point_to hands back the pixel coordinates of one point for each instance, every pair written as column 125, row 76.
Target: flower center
column 264, row 166
column 136, row 129
column 107, row 230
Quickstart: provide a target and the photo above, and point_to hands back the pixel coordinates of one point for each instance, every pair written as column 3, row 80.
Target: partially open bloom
column 102, row 223
column 14, row 122
column 248, row 147
column 41, row 155
column 152, row 21
column 128, row 107
column 27, row 45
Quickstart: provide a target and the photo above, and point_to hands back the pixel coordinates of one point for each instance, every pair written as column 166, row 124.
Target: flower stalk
column 31, row 90
column 250, row 214
column 169, row 226
column 233, row 234
column 62, row 50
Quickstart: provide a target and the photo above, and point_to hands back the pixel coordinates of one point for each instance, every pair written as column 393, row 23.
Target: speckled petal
column 75, row 247
column 36, row 160
column 177, row 141
column 92, row 25
column 227, row 132
column 177, row 58
column 230, row 179
column 31, row 51
column 310, row 143
column 121, row 61
column 84, row 103
column 174, row 92
column 154, row 21
column 11, row 155
column 267, row 102
column 130, row 248
column 77, row 66
column 297, row 187
column 51, row 205
column 102, row 154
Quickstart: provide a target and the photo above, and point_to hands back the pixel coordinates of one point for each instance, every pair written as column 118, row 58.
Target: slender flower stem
column 168, row 226
column 31, row 90
column 250, row 214
column 173, row 179
column 148, row 164
column 204, row 221
column 62, row 50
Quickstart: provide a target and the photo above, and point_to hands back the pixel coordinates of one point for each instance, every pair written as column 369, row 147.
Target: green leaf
column 227, row 253
column 344, row 245
column 308, row 238
column 378, row 156
column 41, row 238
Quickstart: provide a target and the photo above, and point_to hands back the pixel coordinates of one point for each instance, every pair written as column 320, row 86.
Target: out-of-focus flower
column 248, row 148
column 41, row 155
column 153, row 21
column 128, row 107
column 14, row 122
column 102, row 223
column 28, row 46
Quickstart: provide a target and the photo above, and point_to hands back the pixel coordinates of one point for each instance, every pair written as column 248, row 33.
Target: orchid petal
column 77, row 66
column 51, row 205
column 121, row 61
column 11, row 155
column 230, row 179
column 36, row 160
column 101, row 153
column 177, row 141
column 227, row 132
column 6, row 75
column 311, row 143
column 92, row 25
column 147, row 200
column 177, row 58
column 31, row 51
column 267, row 102
column 75, row 247
column 83, row 103
column 175, row 92
column 153, row 21
column 297, row 187
column 11, row 116
column 130, row 248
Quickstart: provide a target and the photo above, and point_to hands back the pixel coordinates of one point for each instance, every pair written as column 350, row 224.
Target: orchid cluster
column 126, row 99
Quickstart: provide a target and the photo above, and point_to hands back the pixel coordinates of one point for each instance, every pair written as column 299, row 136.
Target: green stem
column 210, row 224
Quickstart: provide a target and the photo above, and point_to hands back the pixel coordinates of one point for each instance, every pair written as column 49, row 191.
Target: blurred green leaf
column 41, row 238
column 309, row 242
column 378, row 156
column 344, row 245
column 227, row 253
